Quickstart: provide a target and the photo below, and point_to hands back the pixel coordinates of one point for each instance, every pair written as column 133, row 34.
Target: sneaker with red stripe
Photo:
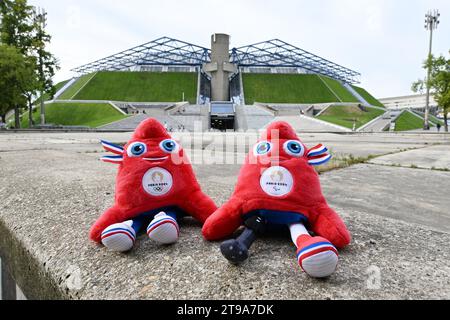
column 163, row 229
column 119, row 237
column 317, row 256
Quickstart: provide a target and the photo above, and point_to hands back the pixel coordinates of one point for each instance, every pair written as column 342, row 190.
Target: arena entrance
column 222, row 115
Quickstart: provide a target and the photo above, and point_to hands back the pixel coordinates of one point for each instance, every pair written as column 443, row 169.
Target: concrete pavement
column 53, row 188
column 433, row 157
column 405, row 194
column 358, row 144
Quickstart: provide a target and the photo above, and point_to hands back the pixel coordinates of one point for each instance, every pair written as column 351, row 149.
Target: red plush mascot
column 155, row 186
column 278, row 186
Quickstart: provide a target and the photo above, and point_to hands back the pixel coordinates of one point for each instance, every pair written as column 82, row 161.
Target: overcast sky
column 384, row 40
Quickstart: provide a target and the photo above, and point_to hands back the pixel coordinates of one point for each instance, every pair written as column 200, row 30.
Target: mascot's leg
column 200, row 206
column 330, row 226
column 315, row 255
column 224, row 221
column 236, row 250
column 119, row 237
column 111, row 216
column 164, row 228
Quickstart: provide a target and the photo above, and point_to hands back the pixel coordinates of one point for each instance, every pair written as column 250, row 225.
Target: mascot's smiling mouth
column 275, row 160
column 156, row 159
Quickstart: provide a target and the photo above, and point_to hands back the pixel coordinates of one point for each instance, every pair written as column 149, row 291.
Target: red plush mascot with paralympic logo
column 155, row 187
column 278, row 186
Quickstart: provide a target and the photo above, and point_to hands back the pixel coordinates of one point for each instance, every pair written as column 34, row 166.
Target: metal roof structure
column 278, row 54
column 160, row 52
column 274, row 53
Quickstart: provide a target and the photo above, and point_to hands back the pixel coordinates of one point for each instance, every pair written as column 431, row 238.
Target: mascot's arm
column 327, row 223
column 200, row 206
column 110, row 217
column 224, row 221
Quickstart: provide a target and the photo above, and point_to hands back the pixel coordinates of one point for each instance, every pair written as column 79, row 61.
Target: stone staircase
column 252, row 117
column 304, row 123
column 131, row 123
column 381, row 123
column 192, row 117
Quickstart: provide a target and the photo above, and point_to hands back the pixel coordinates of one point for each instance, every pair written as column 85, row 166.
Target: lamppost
column 41, row 21
column 431, row 23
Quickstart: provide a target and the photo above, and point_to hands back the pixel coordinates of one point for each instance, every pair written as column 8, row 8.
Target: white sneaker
column 119, row 237
column 317, row 257
column 163, row 229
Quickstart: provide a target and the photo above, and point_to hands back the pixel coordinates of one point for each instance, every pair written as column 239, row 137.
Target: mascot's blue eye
column 136, row 149
column 294, row 148
column 262, row 148
column 169, row 146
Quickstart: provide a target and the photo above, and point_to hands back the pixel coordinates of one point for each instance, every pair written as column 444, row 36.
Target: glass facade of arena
column 274, row 56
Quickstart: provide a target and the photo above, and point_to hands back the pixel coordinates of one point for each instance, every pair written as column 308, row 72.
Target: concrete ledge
column 28, row 270
column 50, row 197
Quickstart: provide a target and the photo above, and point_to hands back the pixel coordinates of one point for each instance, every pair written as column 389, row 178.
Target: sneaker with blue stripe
column 119, row 237
column 317, row 256
column 163, row 229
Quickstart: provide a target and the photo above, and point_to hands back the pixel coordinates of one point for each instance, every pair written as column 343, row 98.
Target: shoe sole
column 320, row 265
column 165, row 231
column 118, row 239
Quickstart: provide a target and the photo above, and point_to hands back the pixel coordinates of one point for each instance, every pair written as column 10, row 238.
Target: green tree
column 23, row 27
column 47, row 64
column 17, row 80
column 15, row 30
column 439, row 83
column 16, row 24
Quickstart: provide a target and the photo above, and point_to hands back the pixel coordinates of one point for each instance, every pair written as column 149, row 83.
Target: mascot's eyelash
column 317, row 150
column 112, row 159
column 111, row 147
column 318, row 155
column 320, row 160
column 108, row 146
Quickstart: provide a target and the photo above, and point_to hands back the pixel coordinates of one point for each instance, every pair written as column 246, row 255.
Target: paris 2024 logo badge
column 277, row 181
column 157, row 182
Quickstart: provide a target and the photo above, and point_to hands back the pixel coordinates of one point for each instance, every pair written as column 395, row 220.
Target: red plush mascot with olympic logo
column 155, row 187
column 278, row 186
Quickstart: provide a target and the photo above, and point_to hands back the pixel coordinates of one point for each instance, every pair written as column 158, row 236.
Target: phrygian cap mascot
column 279, row 186
column 155, row 188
